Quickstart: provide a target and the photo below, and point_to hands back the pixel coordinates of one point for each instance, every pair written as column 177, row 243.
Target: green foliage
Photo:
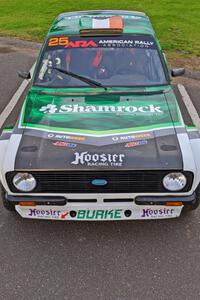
column 176, row 22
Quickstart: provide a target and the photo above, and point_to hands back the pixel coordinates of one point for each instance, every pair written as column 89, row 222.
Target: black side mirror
column 24, row 74
column 177, row 72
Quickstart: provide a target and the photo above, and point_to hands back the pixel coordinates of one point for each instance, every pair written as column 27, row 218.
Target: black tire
column 7, row 204
column 196, row 202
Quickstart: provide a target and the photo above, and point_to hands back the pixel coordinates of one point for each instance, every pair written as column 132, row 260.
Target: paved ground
column 109, row 261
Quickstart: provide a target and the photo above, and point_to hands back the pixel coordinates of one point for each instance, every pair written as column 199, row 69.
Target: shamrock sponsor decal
column 49, row 109
column 68, row 109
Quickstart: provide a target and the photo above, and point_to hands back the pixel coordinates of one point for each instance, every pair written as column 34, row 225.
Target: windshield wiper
column 133, row 92
column 80, row 77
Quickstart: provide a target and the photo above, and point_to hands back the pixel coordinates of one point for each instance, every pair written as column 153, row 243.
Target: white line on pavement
column 7, row 110
column 190, row 106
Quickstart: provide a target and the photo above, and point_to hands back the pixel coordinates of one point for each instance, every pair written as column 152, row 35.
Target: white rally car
column 102, row 134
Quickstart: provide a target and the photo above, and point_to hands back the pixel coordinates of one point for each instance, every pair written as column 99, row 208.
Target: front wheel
column 195, row 204
column 7, row 204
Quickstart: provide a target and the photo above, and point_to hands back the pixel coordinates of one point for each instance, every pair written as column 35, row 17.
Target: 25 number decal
column 58, row 41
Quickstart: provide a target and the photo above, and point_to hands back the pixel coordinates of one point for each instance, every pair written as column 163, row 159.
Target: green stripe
column 81, row 131
column 190, row 127
column 7, row 130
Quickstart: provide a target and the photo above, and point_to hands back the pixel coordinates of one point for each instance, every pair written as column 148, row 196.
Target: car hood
column 102, row 131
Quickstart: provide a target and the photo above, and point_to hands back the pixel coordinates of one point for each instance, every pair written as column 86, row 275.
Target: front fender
column 195, row 145
column 8, row 150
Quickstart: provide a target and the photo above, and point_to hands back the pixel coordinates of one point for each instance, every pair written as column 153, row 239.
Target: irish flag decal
column 103, row 23
column 115, row 22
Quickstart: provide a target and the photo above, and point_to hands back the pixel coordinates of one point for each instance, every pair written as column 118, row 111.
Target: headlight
column 174, row 181
column 24, row 182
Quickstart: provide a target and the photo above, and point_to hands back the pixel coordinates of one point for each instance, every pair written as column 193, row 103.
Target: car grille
column 81, row 181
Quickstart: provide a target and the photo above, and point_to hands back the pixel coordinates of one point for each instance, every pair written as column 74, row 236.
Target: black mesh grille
column 81, row 181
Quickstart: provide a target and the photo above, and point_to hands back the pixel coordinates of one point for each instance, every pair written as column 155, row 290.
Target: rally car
column 102, row 134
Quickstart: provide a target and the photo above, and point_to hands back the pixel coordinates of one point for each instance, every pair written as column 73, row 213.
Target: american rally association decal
column 70, row 109
column 128, row 41
column 64, row 41
column 98, row 160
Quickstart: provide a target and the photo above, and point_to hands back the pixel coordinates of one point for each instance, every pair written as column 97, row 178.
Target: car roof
column 70, row 22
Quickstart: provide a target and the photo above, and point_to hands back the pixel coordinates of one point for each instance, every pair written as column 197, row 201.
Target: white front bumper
column 99, row 212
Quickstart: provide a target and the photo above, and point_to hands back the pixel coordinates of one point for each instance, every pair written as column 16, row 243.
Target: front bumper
column 139, row 208
column 100, row 212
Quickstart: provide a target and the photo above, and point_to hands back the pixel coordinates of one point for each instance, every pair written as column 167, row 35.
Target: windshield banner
column 121, row 41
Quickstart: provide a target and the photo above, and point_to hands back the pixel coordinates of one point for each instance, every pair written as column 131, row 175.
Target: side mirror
column 24, row 74
column 177, row 72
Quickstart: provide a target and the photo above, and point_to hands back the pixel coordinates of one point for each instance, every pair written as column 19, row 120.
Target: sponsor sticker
column 99, row 214
column 130, row 41
column 64, row 144
column 98, row 160
column 76, row 108
column 131, row 137
column 126, row 43
column 44, row 213
column 136, row 143
column 148, row 213
column 82, row 214
column 64, row 41
column 65, row 137
column 138, row 212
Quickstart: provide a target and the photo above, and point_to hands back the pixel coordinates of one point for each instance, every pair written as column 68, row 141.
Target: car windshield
column 126, row 60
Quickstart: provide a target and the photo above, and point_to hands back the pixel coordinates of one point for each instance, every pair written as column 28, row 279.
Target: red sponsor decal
column 63, row 216
column 61, row 144
column 64, row 144
column 81, row 44
column 134, row 144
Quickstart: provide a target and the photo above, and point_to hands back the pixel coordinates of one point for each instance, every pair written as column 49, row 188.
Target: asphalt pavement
column 121, row 260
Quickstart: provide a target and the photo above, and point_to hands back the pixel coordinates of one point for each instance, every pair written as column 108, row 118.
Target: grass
column 176, row 22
